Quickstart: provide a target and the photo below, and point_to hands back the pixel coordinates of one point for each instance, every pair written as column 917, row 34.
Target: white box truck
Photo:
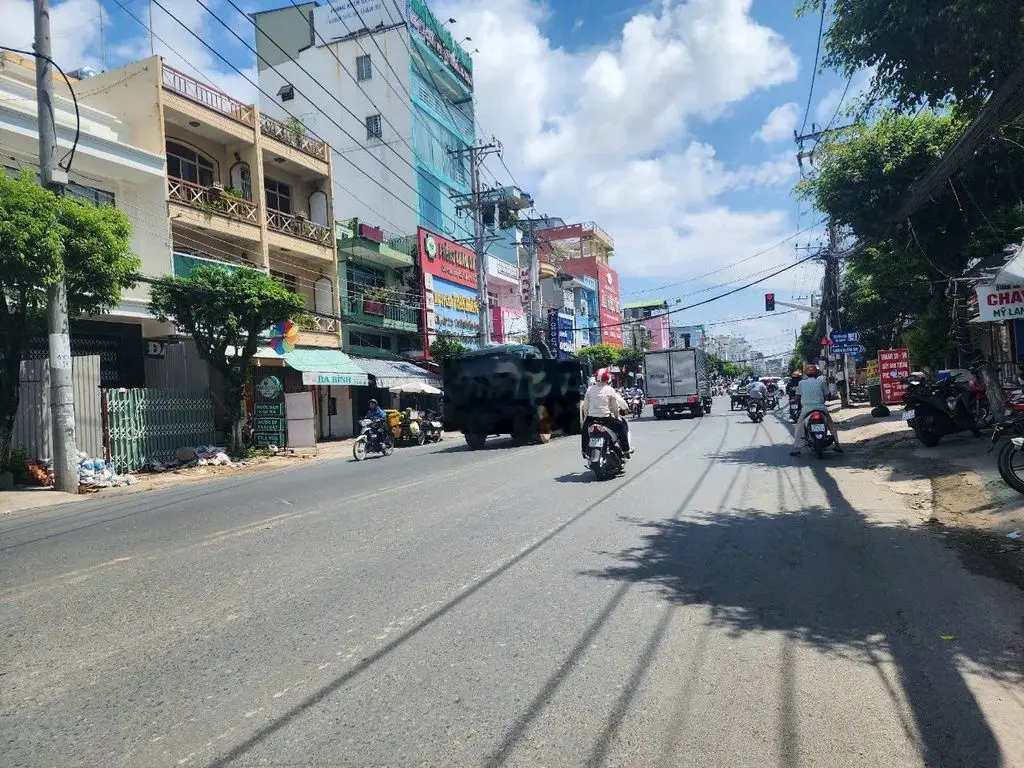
column 678, row 381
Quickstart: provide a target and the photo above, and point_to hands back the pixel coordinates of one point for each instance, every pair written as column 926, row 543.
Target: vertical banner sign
column 553, row 331
column 893, row 370
column 268, row 409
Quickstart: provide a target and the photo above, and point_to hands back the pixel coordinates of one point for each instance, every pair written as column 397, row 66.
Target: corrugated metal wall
column 179, row 368
column 32, row 425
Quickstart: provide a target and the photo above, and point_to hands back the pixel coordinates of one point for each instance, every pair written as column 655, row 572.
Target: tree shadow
column 831, row 579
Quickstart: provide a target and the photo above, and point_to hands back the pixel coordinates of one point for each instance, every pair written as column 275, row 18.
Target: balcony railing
column 299, row 226
column 210, row 97
column 356, row 304
column 293, row 137
column 212, row 200
column 318, row 324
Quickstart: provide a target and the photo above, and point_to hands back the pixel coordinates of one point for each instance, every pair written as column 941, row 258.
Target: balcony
column 298, row 226
column 213, row 208
column 294, row 137
column 377, row 313
column 211, row 98
column 374, row 245
column 317, row 331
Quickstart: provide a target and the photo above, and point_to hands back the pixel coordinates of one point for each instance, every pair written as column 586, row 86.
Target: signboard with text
column 996, row 303
column 449, row 261
column 845, row 338
column 336, row 21
column 893, row 371
column 268, row 409
column 315, row 379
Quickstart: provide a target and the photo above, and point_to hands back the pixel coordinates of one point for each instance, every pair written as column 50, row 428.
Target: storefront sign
column 871, row 370
column 447, row 260
column 268, row 409
column 454, row 301
column 509, row 325
column 440, row 41
column 561, row 334
column 997, row 303
column 314, row 379
column 502, row 271
column 455, row 311
column 156, row 348
column 610, row 312
column 339, row 20
column 893, row 369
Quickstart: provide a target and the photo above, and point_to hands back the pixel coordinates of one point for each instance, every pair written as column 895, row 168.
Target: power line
column 814, row 72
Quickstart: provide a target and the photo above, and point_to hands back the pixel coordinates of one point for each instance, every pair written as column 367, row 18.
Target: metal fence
column 33, row 424
column 146, row 425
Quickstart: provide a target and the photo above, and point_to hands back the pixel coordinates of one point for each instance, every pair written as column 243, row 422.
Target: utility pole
column 55, row 178
column 478, row 200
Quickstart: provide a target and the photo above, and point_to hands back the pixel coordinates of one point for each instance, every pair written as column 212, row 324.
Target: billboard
column 608, row 304
column 893, row 369
column 336, row 21
column 561, row 334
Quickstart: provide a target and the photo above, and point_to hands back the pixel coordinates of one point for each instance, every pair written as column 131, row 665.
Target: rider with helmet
column 793, row 383
column 378, row 416
column 756, row 390
column 812, row 391
column 602, row 404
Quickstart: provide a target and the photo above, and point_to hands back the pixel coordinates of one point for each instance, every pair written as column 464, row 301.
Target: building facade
column 688, row 336
column 652, row 315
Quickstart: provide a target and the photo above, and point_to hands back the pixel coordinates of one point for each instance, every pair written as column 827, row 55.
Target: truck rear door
column 684, row 372
column 659, row 381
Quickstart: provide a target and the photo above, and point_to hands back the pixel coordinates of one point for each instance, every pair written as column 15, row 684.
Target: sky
column 669, row 124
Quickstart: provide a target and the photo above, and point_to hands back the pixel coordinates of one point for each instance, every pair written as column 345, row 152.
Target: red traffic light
column 769, row 302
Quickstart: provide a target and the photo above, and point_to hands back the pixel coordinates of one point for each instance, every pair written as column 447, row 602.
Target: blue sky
column 651, row 119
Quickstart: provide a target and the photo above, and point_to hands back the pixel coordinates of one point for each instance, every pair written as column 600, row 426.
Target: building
column 584, row 250
column 652, row 315
column 689, row 336
column 111, row 166
column 391, row 93
column 244, row 191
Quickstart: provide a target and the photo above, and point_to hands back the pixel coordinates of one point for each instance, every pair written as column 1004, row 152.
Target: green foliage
column 808, row 344
column 925, row 50
column 226, row 313
column 447, row 347
column 599, row 355
column 796, row 363
column 44, row 239
column 725, row 370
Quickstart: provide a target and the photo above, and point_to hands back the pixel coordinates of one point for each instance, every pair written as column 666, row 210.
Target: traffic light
column 769, row 302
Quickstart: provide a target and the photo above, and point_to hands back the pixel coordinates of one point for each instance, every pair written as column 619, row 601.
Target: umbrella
column 415, row 388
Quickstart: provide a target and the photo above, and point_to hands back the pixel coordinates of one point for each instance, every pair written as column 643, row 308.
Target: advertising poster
column 268, row 409
column 560, row 334
column 448, row 272
column 893, row 370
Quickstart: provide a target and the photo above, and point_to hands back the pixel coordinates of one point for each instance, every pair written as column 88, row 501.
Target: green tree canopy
column 447, row 347
column 44, row 239
column 599, row 355
column 925, row 50
column 226, row 314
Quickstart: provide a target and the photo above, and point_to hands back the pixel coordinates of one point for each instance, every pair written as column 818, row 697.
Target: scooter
column 375, row 438
column 794, row 409
column 936, row 410
column 432, row 427
column 755, row 410
column 772, row 401
column 605, row 455
column 816, row 433
column 636, row 406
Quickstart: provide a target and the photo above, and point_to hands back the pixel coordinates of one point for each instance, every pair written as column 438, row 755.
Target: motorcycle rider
column 793, row 383
column 378, row 416
column 602, row 404
column 757, row 391
column 812, row 391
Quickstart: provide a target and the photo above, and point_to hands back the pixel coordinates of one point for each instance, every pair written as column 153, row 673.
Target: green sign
column 268, row 409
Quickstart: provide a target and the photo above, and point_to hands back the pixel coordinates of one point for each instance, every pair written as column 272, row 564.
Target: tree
column 226, row 314
column 599, row 355
column 631, row 359
column 447, row 347
column 808, row 344
column 925, row 50
column 43, row 239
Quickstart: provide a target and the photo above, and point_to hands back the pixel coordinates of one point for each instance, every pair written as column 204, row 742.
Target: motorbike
column 432, row 427
column 1011, row 452
column 816, row 433
column 755, row 410
column 772, row 401
column 409, row 429
column 606, row 457
column 794, row 409
column 374, row 438
column 934, row 410
column 636, row 407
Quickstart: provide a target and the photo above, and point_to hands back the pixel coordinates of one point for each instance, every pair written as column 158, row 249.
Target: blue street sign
column 844, row 338
column 847, row 349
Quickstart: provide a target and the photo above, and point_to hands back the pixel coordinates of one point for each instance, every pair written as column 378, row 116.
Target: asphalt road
column 719, row 605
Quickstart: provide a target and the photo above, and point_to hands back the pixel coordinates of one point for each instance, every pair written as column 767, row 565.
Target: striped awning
column 392, row 373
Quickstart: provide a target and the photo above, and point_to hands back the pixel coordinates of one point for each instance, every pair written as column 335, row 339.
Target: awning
column 391, row 373
column 320, row 367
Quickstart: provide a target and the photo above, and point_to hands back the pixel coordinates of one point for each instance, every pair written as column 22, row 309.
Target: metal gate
column 146, row 425
column 33, row 424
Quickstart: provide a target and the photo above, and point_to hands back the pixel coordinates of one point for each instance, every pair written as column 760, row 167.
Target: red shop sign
column 447, row 260
column 893, row 370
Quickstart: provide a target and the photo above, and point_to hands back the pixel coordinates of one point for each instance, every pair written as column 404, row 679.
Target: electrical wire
column 814, row 72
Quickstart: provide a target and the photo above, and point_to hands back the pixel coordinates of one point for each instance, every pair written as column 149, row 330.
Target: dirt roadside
column 953, row 488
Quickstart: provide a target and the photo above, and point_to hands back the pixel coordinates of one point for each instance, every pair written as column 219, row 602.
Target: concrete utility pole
column 478, row 199
column 55, row 178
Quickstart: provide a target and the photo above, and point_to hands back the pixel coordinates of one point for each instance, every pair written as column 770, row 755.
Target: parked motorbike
column 755, row 410
column 817, row 436
column 1010, row 459
column 606, row 456
column 375, row 438
column 794, row 409
column 432, row 427
column 636, row 407
column 934, row 410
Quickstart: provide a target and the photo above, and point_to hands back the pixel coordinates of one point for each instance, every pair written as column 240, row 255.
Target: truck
column 678, row 381
column 512, row 389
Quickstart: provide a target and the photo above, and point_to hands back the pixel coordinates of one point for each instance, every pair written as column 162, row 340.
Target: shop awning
column 391, row 373
column 326, row 367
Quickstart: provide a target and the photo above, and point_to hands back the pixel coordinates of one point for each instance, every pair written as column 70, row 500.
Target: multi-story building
column 110, row 167
column 585, row 250
column 652, row 315
column 688, row 336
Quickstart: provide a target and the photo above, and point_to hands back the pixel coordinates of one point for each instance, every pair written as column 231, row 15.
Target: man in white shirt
column 812, row 391
column 602, row 404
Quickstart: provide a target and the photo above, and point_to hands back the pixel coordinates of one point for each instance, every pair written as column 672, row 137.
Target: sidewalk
column 26, row 499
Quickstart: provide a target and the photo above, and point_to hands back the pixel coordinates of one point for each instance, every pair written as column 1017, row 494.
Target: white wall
column 374, row 180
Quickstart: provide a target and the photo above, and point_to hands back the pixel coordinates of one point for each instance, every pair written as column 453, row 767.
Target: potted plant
column 374, row 302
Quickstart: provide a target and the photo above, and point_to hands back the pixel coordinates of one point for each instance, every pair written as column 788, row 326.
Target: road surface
column 722, row 604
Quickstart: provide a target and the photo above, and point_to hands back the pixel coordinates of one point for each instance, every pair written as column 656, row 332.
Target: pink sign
column 893, row 371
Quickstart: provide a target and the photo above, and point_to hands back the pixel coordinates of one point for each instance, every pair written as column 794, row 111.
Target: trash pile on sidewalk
column 94, row 474
column 201, row 456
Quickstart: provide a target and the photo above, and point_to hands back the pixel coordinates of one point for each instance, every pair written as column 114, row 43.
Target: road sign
column 845, row 337
column 893, row 369
column 847, row 349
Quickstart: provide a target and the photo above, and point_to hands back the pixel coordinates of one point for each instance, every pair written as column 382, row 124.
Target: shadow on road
column 831, row 579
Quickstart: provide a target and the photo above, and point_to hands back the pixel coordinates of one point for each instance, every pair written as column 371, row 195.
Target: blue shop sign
column 561, row 334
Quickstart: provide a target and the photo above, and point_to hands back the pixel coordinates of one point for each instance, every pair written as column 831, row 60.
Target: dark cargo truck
column 513, row 389
column 678, row 381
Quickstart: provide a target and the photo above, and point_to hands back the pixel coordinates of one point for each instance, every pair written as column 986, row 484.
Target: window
column 188, row 165
column 286, row 92
column 372, row 340
column 364, row 69
column 288, row 282
column 278, row 194
column 361, row 277
column 373, row 127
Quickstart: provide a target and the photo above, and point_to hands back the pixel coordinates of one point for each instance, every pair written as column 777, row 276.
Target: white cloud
column 605, row 134
column 780, row 123
column 74, row 30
